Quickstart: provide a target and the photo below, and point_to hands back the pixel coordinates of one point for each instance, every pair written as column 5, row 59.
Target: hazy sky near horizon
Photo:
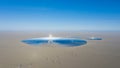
column 59, row 15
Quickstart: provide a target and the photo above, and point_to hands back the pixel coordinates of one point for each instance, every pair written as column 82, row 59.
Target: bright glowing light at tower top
column 50, row 36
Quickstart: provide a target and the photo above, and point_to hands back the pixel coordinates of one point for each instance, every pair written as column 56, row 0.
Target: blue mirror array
column 94, row 38
column 63, row 42
column 70, row 42
column 35, row 42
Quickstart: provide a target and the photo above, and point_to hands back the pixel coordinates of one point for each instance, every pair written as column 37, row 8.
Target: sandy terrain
column 95, row 54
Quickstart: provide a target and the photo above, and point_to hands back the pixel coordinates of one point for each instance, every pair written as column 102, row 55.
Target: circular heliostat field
column 61, row 41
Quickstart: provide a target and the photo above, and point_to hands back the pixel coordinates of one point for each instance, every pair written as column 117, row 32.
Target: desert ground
column 95, row 54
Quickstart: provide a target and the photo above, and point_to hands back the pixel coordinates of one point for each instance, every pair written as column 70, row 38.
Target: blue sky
column 59, row 15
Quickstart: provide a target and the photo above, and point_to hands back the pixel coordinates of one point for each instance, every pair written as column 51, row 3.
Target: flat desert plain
column 95, row 54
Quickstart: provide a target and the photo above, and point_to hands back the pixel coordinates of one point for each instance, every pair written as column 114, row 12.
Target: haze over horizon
column 60, row 15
